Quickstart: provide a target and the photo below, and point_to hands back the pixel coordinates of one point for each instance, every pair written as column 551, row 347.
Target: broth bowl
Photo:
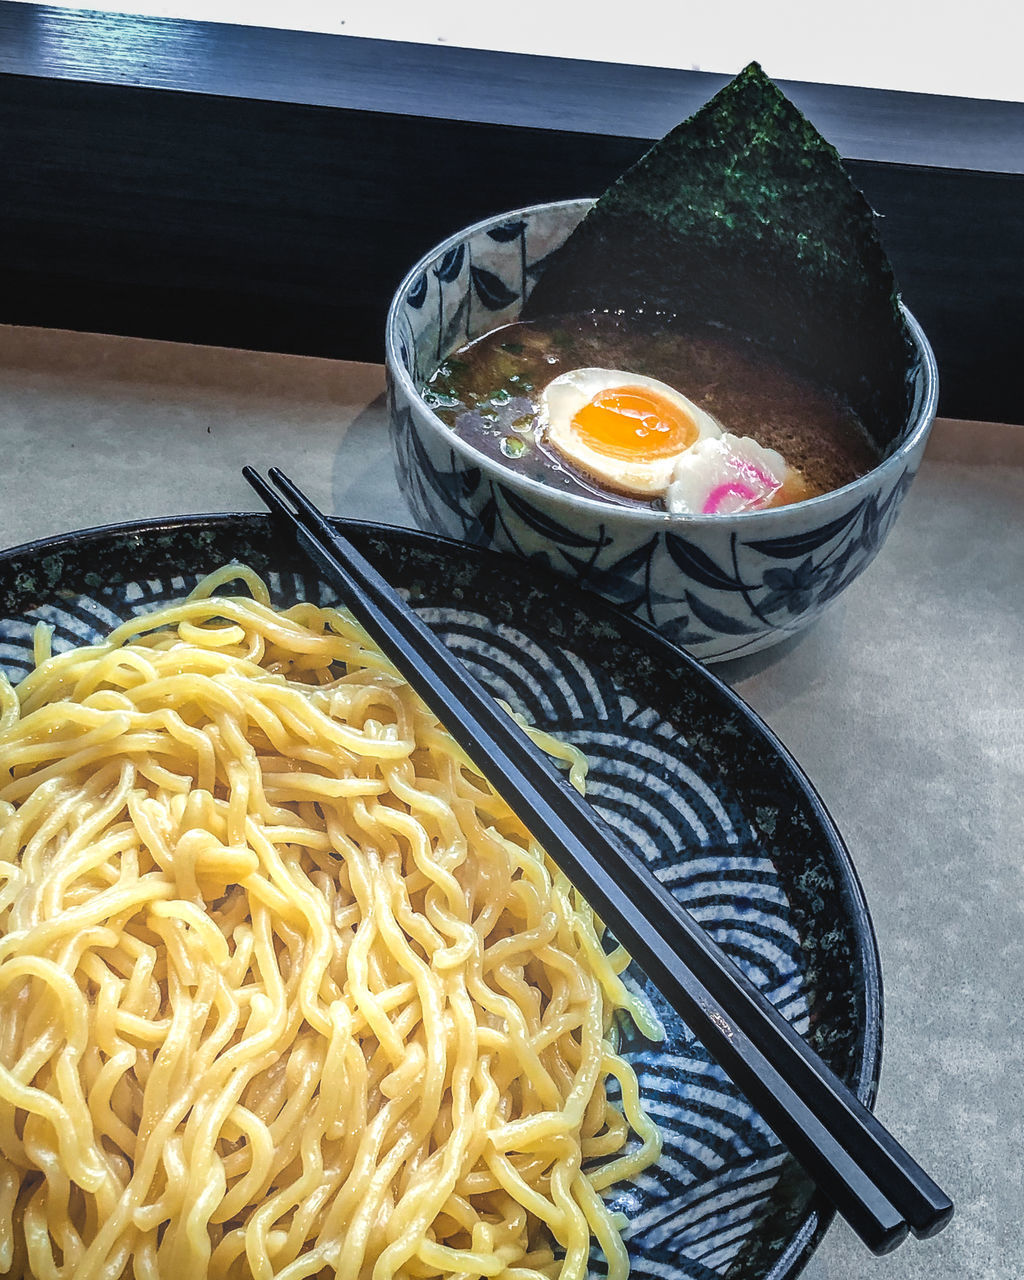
column 721, row 586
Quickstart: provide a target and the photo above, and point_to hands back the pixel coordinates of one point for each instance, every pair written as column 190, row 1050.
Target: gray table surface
column 904, row 704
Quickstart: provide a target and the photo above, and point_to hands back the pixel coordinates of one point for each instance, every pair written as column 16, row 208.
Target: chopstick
column 854, row 1161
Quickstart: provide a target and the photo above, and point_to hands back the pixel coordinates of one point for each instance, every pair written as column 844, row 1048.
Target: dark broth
column 489, row 393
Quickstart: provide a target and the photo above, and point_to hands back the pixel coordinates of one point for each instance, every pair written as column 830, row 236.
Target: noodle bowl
column 285, row 989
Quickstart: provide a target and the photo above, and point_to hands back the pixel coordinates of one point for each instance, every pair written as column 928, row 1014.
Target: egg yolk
column 632, row 422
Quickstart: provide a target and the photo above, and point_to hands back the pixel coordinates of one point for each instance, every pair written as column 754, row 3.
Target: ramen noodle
column 286, row 990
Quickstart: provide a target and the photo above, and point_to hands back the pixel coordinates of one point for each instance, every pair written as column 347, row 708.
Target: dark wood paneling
column 473, row 85
column 956, row 240
column 265, row 222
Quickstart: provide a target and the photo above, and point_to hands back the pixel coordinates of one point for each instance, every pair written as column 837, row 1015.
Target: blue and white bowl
column 721, row 586
column 689, row 777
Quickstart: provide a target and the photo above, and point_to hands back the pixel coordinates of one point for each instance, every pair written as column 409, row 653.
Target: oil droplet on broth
column 513, row 447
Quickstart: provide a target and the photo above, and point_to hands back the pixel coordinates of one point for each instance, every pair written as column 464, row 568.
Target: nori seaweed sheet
column 745, row 216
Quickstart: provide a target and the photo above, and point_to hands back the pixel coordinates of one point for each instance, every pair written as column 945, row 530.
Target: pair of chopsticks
column 858, row 1165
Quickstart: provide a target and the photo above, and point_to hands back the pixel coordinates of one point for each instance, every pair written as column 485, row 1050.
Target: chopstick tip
column 939, row 1219
column 273, row 501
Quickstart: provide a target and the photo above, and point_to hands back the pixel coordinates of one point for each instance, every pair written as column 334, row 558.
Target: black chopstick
column 860, row 1167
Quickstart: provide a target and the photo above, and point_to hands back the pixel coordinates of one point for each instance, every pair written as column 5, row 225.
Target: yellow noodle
column 286, row 990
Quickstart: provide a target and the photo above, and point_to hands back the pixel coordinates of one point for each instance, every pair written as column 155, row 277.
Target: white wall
column 970, row 49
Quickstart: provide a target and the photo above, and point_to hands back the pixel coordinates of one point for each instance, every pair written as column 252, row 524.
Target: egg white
column 563, row 398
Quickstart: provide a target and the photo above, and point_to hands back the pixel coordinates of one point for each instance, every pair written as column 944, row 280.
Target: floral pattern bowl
column 722, row 585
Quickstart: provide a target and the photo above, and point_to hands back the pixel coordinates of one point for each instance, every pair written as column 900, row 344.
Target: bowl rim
column 916, row 431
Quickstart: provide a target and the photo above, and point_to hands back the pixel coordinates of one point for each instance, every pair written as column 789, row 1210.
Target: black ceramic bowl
column 710, row 798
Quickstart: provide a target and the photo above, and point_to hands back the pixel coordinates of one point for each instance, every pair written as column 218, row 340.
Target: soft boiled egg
column 624, row 431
